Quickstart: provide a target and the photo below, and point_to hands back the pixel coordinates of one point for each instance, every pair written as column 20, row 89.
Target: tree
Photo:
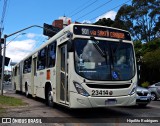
column 138, row 50
column 141, row 19
column 105, row 22
column 7, row 77
column 148, row 57
column 123, row 18
column 151, row 67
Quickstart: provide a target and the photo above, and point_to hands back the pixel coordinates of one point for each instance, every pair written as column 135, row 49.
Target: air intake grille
column 108, row 86
column 142, row 94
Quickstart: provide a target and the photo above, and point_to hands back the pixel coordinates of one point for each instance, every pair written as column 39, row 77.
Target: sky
column 23, row 13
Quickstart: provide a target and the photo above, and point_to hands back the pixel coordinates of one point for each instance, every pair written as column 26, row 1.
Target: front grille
column 108, row 86
column 142, row 94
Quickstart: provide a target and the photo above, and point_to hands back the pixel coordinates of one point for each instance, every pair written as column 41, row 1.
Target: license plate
column 143, row 99
column 110, row 102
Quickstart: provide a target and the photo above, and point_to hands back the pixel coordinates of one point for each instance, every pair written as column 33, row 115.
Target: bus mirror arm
column 69, row 42
column 69, row 46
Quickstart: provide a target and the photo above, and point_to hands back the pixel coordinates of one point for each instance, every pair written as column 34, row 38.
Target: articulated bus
column 82, row 66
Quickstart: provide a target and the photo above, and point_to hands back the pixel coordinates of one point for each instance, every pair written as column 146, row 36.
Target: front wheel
column 153, row 97
column 50, row 102
column 26, row 92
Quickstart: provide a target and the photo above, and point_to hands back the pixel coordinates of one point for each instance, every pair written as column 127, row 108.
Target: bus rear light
column 80, row 89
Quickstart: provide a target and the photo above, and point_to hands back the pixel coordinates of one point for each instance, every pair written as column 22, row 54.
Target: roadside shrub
column 145, row 84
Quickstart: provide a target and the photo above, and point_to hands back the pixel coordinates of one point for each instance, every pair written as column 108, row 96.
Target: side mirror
column 69, row 42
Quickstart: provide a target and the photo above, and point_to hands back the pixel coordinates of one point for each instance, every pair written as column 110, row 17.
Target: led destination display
column 101, row 32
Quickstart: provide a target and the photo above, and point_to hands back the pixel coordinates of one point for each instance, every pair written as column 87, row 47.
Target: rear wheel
column 153, row 97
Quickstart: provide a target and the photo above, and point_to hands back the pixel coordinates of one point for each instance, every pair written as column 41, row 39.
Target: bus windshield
column 104, row 60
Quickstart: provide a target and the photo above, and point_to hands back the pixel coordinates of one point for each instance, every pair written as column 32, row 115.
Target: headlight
column 80, row 89
column 133, row 90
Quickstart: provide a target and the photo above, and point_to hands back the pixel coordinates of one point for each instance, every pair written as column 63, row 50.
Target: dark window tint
column 51, row 54
column 27, row 65
column 63, row 59
column 41, row 64
column 15, row 71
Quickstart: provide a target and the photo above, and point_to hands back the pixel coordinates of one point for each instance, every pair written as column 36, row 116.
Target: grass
column 2, row 110
column 6, row 101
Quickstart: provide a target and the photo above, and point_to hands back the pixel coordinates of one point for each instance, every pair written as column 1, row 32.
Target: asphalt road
column 61, row 116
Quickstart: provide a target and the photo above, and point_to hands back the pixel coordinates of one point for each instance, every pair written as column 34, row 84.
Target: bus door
column 17, row 79
column 20, row 71
column 34, row 68
column 64, row 75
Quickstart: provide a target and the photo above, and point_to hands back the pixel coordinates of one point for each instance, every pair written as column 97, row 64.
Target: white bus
column 82, row 66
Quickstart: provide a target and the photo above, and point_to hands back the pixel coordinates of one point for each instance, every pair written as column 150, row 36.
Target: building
column 62, row 22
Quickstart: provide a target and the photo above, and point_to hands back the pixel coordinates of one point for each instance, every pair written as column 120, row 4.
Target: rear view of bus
column 101, row 68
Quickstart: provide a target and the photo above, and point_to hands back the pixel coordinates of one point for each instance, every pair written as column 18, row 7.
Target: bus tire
column 49, row 100
column 153, row 96
column 26, row 91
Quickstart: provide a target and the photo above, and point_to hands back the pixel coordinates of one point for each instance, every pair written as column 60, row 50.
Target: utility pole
column 0, row 43
column 3, row 62
column 0, row 52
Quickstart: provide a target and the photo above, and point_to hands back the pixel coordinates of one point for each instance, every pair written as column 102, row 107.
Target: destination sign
column 101, row 32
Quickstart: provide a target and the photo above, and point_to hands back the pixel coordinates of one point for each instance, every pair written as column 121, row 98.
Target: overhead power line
column 109, row 10
column 94, row 9
column 79, row 7
column 84, row 8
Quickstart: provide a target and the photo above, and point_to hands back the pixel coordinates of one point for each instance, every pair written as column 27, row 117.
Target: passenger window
column 27, row 65
column 41, row 63
column 15, row 72
column 51, row 54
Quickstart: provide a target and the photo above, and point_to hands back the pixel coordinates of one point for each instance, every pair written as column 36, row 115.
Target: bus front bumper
column 79, row 101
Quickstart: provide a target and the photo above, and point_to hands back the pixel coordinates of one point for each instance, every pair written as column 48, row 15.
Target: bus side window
column 27, row 65
column 15, row 72
column 41, row 63
column 51, row 55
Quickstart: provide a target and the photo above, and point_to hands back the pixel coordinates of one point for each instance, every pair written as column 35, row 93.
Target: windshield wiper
column 98, row 48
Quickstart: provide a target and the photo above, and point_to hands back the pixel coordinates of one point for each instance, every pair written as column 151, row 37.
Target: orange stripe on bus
column 48, row 74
